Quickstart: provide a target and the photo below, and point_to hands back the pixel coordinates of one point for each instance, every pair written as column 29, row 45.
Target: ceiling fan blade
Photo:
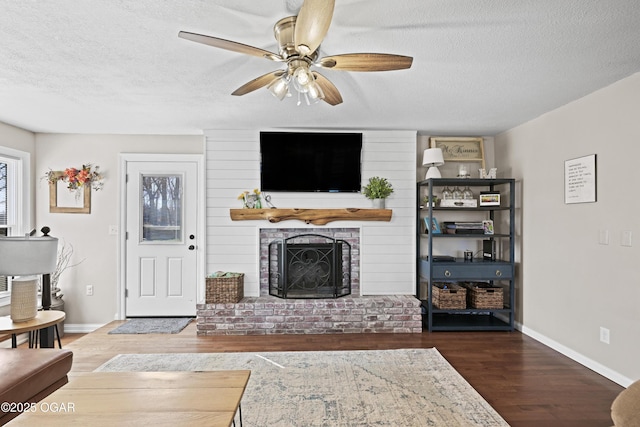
column 312, row 24
column 331, row 94
column 229, row 45
column 366, row 62
column 257, row 83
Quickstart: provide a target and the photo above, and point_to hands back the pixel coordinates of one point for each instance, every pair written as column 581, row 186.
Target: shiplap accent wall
column 387, row 248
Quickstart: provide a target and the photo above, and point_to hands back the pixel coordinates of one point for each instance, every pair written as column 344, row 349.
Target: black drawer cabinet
column 435, row 265
column 461, row 270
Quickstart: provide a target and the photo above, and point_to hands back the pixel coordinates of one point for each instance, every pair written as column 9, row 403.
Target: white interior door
column 161, row 238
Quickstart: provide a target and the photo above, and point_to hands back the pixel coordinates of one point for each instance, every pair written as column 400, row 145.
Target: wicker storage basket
column 448, row 296
column 483, row 295
column 225, row 288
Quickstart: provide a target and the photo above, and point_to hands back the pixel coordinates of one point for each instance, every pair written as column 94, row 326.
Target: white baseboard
column 581, row 359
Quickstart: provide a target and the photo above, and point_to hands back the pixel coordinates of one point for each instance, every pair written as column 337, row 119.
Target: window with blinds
column 4, row 168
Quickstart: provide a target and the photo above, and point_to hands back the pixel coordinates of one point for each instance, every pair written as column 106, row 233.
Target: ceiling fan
column 299, row 38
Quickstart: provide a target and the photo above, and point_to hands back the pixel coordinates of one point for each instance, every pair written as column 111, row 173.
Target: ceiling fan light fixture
column 279, row 87
column 303, row 76
column 315, row 91
column 299, row 38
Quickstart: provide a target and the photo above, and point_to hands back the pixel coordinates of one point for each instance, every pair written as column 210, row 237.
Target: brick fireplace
column 353, row 313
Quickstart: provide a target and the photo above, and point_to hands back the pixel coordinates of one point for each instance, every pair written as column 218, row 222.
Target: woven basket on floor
column 483, row 295
column 225, row 289
column 448, row 296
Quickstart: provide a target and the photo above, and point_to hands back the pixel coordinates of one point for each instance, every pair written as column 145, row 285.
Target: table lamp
column 26, row 257
column 433, row 158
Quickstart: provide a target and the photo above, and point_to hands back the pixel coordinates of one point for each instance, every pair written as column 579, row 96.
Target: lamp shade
column 432, row 157
column 26, row 255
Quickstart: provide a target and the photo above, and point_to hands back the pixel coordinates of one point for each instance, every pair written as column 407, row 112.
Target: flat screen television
column 310, row 162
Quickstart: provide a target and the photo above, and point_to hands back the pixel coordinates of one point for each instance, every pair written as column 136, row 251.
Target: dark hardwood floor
column 528, row 383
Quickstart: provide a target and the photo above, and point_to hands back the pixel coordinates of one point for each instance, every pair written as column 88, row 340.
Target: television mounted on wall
column 310, row 162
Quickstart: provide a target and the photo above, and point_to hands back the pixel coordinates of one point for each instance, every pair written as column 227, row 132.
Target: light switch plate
column 626, row 238
column 603, row 237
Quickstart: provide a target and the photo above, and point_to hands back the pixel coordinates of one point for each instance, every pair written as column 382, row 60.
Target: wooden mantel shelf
column 311, row 216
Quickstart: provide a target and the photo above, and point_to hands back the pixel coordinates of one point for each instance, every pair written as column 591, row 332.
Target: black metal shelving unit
column 499, row 272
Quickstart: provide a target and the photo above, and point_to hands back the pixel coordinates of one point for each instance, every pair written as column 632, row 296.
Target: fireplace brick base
column 270, row 315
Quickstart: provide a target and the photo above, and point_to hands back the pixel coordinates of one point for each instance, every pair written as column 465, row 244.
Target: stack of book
column 463, row 227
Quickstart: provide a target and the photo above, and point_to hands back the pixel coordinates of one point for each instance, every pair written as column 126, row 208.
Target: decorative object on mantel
column 311, row 216
column 79, row 182
column 267, row 199
column 432, row 158
column 251, row 200
column 378, row 189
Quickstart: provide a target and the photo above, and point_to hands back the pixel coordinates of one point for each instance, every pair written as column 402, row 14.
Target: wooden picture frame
column 60, row 205
column 459, row 148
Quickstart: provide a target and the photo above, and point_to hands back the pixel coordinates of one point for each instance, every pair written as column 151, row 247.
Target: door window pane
column 161, row 208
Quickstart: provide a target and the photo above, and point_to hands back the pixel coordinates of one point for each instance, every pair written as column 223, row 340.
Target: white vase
column 378, row 203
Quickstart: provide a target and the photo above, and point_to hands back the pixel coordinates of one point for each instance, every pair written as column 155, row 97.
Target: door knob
column 191, row 247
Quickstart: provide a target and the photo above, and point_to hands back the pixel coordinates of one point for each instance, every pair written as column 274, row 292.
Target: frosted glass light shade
column 25, row 255
column 279, row 88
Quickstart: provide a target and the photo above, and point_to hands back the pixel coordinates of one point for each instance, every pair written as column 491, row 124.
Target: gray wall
column 569, row 284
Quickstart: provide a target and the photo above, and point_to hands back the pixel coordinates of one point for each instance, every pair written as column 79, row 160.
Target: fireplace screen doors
column 309, row 266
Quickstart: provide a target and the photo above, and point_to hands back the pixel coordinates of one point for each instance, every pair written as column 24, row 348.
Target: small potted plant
column 377, row 190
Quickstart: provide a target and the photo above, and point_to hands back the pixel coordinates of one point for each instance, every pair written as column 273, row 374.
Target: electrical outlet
column 604, row 335
column 89, row 290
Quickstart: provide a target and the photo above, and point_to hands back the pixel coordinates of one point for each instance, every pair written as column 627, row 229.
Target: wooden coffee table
column 142, row 398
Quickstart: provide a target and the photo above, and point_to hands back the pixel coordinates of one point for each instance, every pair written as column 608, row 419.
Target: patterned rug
column 412, row 387
column 153, row 325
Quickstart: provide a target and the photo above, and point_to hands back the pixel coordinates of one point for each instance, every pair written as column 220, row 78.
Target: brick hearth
column 267, row 314
column 352, row 314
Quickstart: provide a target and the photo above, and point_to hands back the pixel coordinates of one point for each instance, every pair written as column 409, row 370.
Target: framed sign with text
column 580, row 180
column 459, row 149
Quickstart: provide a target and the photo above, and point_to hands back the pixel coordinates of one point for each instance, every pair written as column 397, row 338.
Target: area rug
column 153, row 325
column 411, row 387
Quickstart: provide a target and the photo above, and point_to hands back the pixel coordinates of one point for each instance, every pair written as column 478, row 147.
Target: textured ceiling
column 480, row 66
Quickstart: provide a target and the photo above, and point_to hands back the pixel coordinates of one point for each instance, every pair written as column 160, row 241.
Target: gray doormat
column 154, row 325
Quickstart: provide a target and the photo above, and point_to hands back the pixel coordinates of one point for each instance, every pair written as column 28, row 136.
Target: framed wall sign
column 459, row 149
column 61, row 200
column 580, row 180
